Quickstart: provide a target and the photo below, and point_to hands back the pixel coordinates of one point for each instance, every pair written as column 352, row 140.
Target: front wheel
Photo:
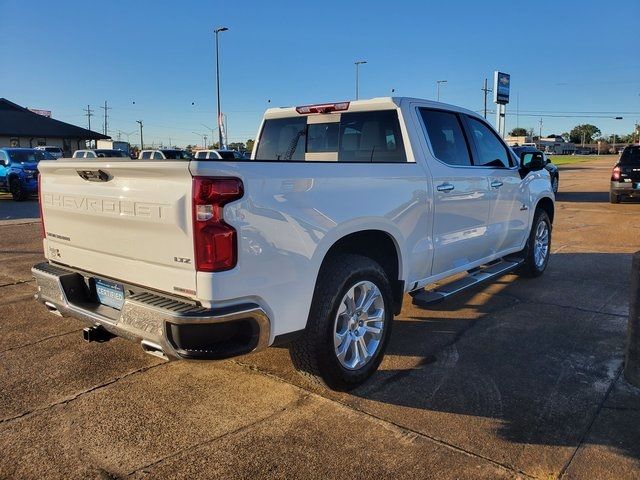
column 613, row 198
column 555, row 183
column 348, row 326
column 536, row 253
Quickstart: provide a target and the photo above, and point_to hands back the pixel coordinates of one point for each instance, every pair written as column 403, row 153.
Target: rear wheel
column 18, row 193
column 555, row 182
column 613, row 198
column 348, row 326
column 536, row 253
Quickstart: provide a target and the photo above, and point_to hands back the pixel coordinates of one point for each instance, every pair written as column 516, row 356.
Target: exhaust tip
column 153, row 349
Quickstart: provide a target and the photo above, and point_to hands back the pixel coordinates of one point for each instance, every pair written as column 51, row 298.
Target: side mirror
column 4, row 162
column 532, row 161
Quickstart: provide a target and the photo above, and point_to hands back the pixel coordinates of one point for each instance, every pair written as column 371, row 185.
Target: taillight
column 615, row 173
column 42, row 230
column 215, row 242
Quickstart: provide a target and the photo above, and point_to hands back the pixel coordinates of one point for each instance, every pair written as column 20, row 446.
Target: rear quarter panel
column 292, row 213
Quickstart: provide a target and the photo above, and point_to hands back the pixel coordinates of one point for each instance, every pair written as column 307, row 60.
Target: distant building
column 557, row 145
column 553, row 144
column 20, row 127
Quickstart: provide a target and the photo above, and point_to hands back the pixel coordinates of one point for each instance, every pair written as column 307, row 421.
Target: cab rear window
column 367, row 137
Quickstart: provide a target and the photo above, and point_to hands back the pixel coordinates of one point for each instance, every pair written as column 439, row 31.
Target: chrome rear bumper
column 164, row 326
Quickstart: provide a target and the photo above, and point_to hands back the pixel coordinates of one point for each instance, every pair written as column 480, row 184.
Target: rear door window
column 446, row 137
column 357, row 137
column 145, row 156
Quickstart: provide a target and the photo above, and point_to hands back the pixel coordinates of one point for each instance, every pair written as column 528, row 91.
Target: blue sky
column 62, row 55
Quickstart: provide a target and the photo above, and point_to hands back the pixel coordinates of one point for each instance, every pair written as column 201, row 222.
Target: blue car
column 19, row 171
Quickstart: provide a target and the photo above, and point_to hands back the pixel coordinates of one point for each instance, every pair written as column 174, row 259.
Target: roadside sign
column 501, row 85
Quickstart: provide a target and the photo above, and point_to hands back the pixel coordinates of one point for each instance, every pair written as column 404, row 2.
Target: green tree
column 249, row 145
column 518, row 132
column 586, row 131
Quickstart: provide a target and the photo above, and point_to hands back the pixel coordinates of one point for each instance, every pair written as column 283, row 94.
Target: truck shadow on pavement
column 583, row 197
column 534, row 360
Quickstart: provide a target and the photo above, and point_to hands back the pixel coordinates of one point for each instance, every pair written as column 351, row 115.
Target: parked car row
column 163, row 154
column 19, row 170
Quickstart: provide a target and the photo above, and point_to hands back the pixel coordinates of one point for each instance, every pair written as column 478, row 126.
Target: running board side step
column 427, row 298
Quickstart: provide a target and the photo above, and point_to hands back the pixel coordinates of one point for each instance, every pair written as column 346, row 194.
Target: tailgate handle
column 94, row 175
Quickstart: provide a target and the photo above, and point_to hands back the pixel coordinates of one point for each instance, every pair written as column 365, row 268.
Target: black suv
column 625, row 176
column 550, row 167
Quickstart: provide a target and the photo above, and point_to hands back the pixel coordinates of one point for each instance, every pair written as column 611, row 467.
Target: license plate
column 109, row 293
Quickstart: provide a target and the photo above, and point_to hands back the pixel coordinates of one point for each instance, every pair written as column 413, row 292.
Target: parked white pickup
column 341, row 210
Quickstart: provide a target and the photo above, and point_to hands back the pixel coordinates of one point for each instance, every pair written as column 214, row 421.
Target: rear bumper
column 164, row 326
column 624, row 188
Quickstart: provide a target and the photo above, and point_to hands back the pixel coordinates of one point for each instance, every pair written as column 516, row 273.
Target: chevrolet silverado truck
column 312, row 242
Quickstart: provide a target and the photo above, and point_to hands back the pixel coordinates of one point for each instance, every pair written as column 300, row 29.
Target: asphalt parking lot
column 520, row 378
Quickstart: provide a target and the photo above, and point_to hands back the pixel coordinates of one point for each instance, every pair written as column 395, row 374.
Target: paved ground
column 515, row 379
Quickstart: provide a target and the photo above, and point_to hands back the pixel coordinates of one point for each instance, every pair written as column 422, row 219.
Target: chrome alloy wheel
column 359, row 325
column 541, row 244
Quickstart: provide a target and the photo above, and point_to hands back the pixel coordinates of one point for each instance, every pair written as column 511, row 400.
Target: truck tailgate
column 122, row 219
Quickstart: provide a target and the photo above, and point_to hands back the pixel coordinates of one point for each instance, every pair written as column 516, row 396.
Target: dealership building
column 21, row 127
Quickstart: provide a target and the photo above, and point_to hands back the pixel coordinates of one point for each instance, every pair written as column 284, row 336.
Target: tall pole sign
column 501, row 87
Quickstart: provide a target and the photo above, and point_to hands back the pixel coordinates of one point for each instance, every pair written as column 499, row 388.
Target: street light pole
column 357, row 64
column 141, row 140
column 217, row 31
column 438, row 82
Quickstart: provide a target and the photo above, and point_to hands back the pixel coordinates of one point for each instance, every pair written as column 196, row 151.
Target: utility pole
column 219, row 119
column 357, row 63
column 438, row 82
column 540, row 134
column 89, row 114
column 106, row 117
column 141, row 139
column 583, row 135
column 486, row 90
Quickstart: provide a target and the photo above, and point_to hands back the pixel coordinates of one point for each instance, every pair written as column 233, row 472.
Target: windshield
column 631, row 156
column 176, row 155
column 53, row 149
column 29, row 156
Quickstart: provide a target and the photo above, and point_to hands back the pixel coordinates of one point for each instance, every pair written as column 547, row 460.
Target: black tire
column 17, row 192
column 555, row 184
column 613, row 198
column 530, row 267
column 313, row 353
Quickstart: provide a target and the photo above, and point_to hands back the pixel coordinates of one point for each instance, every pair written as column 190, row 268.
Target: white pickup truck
column 342, row 209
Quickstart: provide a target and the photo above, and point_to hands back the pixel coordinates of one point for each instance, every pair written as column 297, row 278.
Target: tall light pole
column 217, row 31
column 141, row 140
column 438, row 82
column 357, row 63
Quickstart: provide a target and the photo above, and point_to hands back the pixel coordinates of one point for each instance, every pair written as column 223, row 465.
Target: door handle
column 496, row 184
column 445, row 187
